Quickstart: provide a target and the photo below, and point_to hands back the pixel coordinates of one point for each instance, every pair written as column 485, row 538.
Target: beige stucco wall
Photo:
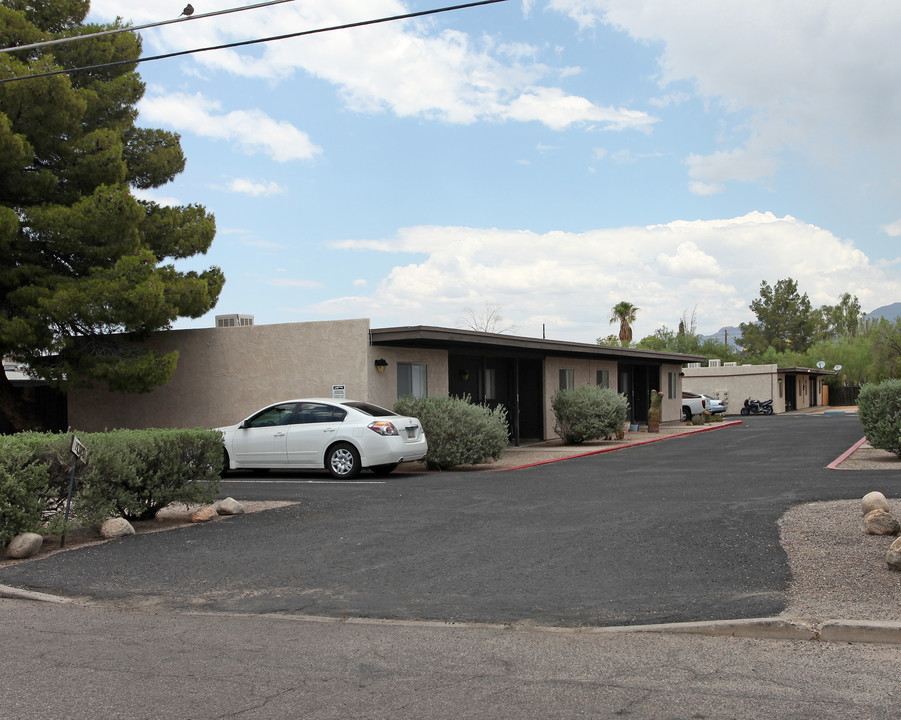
column 672, row 407
column 383, row 385
column 736, row 383
column 225, row 374
column 585, row 373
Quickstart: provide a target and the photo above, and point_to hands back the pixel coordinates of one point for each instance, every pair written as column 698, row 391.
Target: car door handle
column 279, row 434
column 329, row 430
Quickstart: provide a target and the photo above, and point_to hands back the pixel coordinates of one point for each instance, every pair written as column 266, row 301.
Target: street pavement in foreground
column 68, row 662
column 679, row 530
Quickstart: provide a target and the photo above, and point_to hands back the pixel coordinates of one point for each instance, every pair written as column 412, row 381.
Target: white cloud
column 689, row 262
column 815, row 78
column 156, row 197
column 570, row 280
column 255, row 189
column 893, row 229
column 253, row 131
column 408, row 68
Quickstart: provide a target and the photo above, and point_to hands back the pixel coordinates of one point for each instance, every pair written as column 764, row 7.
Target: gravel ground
column 838, row 571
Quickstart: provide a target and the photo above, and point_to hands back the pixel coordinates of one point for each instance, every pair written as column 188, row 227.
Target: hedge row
column 129, row 473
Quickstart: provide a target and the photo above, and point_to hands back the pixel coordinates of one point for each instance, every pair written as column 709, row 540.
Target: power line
column 244, row 43
column 134, row 28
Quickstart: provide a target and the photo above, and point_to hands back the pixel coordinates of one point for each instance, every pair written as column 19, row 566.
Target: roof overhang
column 423, row 336
column 805, row 371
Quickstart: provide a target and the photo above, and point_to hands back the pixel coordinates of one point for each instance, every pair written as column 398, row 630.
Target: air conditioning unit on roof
column 234, row 320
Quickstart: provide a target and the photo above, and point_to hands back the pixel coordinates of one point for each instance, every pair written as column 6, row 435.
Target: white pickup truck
column 698, row 404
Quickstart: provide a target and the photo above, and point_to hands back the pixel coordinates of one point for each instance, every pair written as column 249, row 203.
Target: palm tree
column 624, row 313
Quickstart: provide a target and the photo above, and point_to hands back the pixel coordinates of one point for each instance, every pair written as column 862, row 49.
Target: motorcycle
column 756, row 407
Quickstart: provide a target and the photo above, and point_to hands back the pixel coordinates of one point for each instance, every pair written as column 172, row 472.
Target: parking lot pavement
column 675, row 531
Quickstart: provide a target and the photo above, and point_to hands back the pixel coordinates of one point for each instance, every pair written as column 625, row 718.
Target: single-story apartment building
column 226, row 373
column 790, row 388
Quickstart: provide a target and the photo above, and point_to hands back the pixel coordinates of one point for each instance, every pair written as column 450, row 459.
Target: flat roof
column 806, row 371
column 425, row 336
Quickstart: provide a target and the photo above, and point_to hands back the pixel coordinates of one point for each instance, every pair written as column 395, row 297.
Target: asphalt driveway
column 678, row 530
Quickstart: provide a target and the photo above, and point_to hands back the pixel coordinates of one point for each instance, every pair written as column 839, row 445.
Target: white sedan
column 341, row 436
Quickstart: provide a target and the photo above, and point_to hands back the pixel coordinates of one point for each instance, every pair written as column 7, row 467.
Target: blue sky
column 550, row 158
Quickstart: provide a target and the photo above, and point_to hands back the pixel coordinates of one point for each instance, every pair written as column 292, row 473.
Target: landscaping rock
column 204, row 514
column 229, row 506
column 874, row 501
column 893, row 555
column 880, row 522
column 116, row 528
column 24, row 545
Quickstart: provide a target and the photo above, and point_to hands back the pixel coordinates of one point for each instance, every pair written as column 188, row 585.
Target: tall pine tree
column 86, row 269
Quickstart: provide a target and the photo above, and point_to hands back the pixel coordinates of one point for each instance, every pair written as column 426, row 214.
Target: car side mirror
column 243, row 425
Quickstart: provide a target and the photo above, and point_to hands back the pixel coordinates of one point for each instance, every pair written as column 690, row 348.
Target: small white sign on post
column 78, row 448
column 338, row 392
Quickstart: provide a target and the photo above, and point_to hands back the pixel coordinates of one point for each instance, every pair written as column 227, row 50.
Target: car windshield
column 370, row 409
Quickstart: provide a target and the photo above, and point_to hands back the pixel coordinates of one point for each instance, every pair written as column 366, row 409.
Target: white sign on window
column 338, row 392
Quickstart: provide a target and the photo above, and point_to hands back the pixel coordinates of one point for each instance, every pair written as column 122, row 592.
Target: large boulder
column 880, row 522
column 873, row 501
column 229, row 506
column 24, row 545
column 116, row 528
column 893, row 554
column 204, row 514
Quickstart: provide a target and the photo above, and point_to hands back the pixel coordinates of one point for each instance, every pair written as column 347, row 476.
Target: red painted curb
column 834, row 465
column 619, row 447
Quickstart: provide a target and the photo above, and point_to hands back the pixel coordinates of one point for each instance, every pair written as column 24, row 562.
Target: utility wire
column 244, row 43
column 133, row 28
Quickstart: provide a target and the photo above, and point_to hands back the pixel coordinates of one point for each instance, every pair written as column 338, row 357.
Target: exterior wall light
column 381, row 364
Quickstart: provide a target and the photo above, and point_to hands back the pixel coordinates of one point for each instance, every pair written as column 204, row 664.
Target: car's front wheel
column 343, row 461
column 223, row 471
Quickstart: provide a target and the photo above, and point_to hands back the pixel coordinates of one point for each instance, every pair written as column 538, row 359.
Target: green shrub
column 458, row 432
column 588, row 413
column 136, row 473
column 133, row 473
column 33, row 481
column 879, row 410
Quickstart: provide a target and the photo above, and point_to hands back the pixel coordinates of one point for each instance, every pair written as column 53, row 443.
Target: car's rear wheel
column 686, row 413
column 343, row 461
column 384, row 469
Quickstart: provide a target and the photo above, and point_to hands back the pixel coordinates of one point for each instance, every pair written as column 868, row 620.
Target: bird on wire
column 188, row 11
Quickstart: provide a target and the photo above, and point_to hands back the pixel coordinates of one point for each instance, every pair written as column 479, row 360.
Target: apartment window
column 671, row 385
column 490, row 384
column 567, row 379
column 603, row 378
column 412, row 380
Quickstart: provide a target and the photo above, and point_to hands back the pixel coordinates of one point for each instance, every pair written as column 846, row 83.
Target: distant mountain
column 889, row 312
column 729, row 334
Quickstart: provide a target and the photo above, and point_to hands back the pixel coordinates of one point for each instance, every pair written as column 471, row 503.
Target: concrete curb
column 14, row 593
column 772, row 628
column 626, row 446
column 836, row 464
